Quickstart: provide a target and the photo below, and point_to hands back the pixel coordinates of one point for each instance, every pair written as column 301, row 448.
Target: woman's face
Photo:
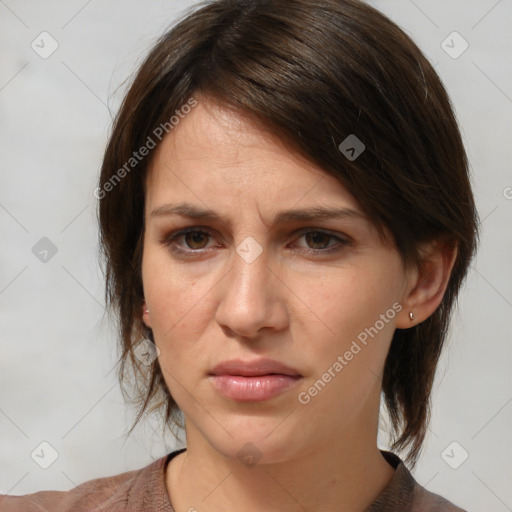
column 320, row 295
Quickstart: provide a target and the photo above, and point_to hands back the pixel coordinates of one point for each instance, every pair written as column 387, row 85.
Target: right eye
column 193, row 237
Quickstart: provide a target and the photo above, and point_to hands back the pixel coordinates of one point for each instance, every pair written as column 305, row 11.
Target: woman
column 286, row 218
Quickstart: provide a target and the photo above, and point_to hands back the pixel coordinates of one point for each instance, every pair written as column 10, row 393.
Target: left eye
column 318, row 238
column 196, row 240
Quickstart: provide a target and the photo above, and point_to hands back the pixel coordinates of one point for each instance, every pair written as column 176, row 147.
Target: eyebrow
column 286, row 216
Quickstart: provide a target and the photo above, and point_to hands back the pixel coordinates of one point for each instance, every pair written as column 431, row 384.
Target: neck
column 346, row 476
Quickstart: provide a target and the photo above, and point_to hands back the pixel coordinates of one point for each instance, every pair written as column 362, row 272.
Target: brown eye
column 196, row 239
column 187, row 241
column 321, row 243
column 193, row 241
column 318, row 238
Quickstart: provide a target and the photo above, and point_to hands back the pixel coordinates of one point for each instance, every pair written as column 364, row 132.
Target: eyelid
column 299, row 231
column 341, row 238
column 335, row 234
column 171, row 237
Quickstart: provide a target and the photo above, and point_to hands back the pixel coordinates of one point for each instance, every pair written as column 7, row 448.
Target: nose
column 252, row 297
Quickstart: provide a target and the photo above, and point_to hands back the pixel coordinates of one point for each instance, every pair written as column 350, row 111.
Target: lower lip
column 253, row 389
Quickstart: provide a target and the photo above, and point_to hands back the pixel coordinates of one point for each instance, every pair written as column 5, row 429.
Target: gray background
column 57, row 356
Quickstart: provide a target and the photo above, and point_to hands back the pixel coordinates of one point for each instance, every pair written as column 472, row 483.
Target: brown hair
column 314, row 72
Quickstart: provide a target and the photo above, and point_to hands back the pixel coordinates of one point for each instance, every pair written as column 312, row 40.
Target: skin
column 298, row 308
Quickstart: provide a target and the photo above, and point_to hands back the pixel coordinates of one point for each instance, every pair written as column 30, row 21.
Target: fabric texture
column 144, row 490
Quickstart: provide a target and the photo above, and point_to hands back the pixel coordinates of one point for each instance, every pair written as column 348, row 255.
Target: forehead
column 214, row 152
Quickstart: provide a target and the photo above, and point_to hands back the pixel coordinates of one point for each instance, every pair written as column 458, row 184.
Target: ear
column 145, row 315
column 428, row 285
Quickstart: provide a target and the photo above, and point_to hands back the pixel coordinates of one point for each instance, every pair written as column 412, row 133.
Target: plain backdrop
column 57, row 377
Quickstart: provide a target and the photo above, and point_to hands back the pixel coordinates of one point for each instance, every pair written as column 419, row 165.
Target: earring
column 147, row 310
column 411, row 315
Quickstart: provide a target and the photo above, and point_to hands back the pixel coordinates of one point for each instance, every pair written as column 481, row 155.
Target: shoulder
column 127, row 491
column 405, row 494
column 427, row 501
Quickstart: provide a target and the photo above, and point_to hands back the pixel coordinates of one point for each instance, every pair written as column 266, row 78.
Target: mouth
column 254, row 368
column 253, row 381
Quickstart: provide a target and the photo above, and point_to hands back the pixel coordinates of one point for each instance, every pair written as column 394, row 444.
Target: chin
column 263, row 445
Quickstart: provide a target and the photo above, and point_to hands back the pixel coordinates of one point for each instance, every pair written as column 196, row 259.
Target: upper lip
column 253, row 368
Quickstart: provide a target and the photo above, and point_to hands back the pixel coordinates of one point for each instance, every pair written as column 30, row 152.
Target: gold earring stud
column 411, row 315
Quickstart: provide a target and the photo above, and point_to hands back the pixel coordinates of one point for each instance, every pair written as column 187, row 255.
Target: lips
column 253, row 381
column 257, row 367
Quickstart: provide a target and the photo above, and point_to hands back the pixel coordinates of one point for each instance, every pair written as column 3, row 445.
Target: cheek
column 178, row 308
column 351, row 314
column 176, row 292
column 349, row 300
column 348, row 358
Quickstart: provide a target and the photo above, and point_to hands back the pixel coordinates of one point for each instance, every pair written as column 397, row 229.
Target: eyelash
column 169, row 241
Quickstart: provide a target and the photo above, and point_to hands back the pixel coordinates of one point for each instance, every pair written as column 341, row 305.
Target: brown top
column 144, row 490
